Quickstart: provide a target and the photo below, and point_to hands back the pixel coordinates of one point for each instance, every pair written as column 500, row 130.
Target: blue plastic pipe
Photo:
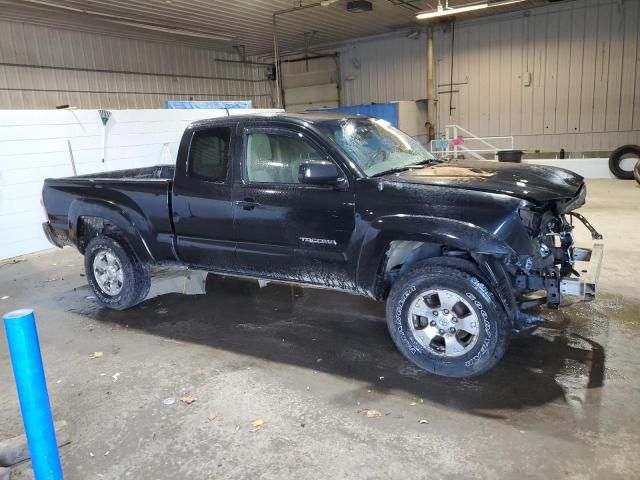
column 24, row 348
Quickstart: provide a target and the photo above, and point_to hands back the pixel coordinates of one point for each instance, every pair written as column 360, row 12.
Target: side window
column 274, row 158
column 209, row 154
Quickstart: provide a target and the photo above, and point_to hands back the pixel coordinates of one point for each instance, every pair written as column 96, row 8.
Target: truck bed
column 157, row 172
column 142, row 196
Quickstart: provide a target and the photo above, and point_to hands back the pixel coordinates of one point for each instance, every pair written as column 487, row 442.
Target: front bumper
column 584, row 286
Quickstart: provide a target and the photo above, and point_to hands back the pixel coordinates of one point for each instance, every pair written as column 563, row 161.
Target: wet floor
column 347, row 336
column 310, row 363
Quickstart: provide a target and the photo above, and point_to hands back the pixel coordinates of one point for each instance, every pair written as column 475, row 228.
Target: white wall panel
column 582, row 57
column 42, row 67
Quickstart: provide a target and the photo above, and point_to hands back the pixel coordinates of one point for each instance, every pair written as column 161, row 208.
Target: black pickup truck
column 458, row 250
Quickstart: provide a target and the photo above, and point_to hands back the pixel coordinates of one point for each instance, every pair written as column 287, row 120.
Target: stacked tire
column 617, row 157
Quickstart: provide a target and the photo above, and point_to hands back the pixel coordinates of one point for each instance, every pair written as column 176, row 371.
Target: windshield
column 376, row 145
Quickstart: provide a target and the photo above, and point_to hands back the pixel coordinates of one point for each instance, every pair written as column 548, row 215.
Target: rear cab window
column 209, row 154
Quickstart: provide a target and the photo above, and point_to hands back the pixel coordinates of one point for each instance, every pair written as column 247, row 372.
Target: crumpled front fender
column 454, row 234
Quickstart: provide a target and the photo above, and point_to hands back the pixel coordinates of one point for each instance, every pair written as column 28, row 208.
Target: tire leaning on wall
column 618, row 155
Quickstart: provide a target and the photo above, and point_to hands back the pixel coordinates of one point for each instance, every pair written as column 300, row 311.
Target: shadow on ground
column 347, row 336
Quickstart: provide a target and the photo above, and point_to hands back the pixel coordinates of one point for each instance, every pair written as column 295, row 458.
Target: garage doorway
column 311, row 82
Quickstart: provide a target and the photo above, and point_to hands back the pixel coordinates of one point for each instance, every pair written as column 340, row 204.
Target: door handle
column 247, row 203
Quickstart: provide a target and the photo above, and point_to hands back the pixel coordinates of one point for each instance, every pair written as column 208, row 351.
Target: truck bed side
column 135, row 201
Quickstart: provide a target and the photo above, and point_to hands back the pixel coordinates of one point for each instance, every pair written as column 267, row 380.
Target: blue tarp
column 213, row 104
column 386, row 111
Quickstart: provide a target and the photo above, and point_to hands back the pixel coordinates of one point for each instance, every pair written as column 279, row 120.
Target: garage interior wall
column 310, row 83
column 560, row 76
column 383, row 69
column 43, row 67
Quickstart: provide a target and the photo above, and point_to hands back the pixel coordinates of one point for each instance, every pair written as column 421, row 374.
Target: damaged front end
column 550, row 271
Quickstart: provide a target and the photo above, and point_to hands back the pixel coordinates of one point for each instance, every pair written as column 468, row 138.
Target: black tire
column 636, row 173
column 616, row 158
column 136, row 278
column 493, row 331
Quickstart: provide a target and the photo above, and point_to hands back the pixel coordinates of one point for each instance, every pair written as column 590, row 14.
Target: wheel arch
column 88, row 218
column 398, row 242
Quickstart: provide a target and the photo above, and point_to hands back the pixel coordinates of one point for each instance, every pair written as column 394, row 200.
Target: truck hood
column 536, row 183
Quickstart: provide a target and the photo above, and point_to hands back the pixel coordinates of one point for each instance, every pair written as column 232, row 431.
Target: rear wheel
column 116, row 276
column 446, row 321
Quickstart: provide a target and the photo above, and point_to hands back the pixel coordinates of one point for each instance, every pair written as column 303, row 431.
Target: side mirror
column 319, row 172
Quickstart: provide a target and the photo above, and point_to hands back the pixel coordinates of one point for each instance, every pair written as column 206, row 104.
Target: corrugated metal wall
column 582, row 62
column 42, row 67
column 583, row 59
column 383, row 69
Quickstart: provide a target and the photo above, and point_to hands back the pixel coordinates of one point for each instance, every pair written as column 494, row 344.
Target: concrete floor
column 563, row 403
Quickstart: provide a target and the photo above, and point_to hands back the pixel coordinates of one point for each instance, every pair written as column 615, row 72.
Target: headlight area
column 552, row 242
column 550, row 265
column 551, row 256
column 574, row 203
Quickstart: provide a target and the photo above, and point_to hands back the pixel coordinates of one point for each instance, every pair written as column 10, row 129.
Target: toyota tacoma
column 460, row 251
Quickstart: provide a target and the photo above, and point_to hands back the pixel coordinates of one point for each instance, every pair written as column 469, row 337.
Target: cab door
column 201, row 199
column 286, row 229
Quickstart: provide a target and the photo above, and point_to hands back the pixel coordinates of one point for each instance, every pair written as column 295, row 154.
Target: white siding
column 582, row 57
column 43, row 67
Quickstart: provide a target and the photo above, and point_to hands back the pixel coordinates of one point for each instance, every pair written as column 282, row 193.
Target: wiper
column 426, row 161
column 393, row 170
column 419, row 164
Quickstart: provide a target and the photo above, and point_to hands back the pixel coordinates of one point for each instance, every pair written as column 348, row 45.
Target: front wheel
column 446, row 321
column 116, row 276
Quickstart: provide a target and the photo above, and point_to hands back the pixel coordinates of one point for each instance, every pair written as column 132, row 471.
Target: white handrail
column 453, row 132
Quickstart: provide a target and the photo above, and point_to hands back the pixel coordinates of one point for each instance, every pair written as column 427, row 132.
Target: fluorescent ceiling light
column 446, row 11
column 443, row 12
